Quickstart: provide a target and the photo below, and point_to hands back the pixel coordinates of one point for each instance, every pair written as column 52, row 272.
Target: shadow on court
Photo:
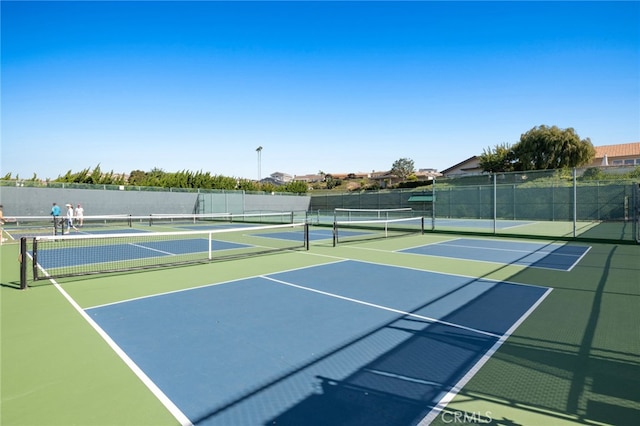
column 400, row 386
column 577, row 360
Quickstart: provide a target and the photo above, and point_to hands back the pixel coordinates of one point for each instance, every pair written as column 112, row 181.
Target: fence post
column 433, row 205
column 495, row 204
column 575, row 203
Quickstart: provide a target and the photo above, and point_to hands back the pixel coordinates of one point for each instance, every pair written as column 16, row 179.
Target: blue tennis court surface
column 538, row 255
column 346, row 342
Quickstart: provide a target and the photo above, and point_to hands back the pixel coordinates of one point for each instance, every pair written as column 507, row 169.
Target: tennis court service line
column 152, row 249
column 386, row 308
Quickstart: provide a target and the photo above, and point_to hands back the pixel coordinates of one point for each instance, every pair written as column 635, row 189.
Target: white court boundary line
column 578, row 260
column 168, row 404
column 448, row 397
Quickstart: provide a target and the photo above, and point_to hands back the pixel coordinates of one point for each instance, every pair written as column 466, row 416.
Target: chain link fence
column 588, row 203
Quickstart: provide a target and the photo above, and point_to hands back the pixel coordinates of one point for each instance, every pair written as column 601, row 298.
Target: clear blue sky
column 331, row 86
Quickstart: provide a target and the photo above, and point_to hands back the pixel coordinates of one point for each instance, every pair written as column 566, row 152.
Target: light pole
column 259, row 151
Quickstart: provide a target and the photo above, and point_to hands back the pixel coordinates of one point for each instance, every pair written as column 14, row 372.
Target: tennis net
column 208, row 219
column 359, row 230
column 55, row 256
column 31, row 226
column 348, row 214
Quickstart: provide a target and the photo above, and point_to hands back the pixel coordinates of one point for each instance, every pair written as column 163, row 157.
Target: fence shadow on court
column 392, row 389
column 398, row 387
column 555, row 380
column 572, row 374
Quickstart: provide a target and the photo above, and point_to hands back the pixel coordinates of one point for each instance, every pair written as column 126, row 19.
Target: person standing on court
column 55, row 212
column 70, row 218
column 79, row 215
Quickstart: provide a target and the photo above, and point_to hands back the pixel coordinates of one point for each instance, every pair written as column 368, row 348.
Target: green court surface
column 575, row 359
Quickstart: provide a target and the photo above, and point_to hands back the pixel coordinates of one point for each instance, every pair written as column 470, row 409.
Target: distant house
column 625, row 154
column 278, row 178
column 427, row 174
column 470, row 166
column 387, row 178
column 309, row 178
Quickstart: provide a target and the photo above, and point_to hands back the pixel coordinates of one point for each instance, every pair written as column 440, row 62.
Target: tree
column 95, row 176
column 136, row 177
column 546, row 147
column 331, row 182
column 499, row 159
column 247, row 185
column 296, row 186
column 403, row 168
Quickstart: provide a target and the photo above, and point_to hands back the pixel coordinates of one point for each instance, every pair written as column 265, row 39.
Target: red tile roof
column 619, row 150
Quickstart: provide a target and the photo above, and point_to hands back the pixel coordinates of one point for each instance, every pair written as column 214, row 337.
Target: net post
column 335, row 233
column 22, row 258
column 422, row 225
column 306, row 235
column 34, row 261
column 130, row 221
